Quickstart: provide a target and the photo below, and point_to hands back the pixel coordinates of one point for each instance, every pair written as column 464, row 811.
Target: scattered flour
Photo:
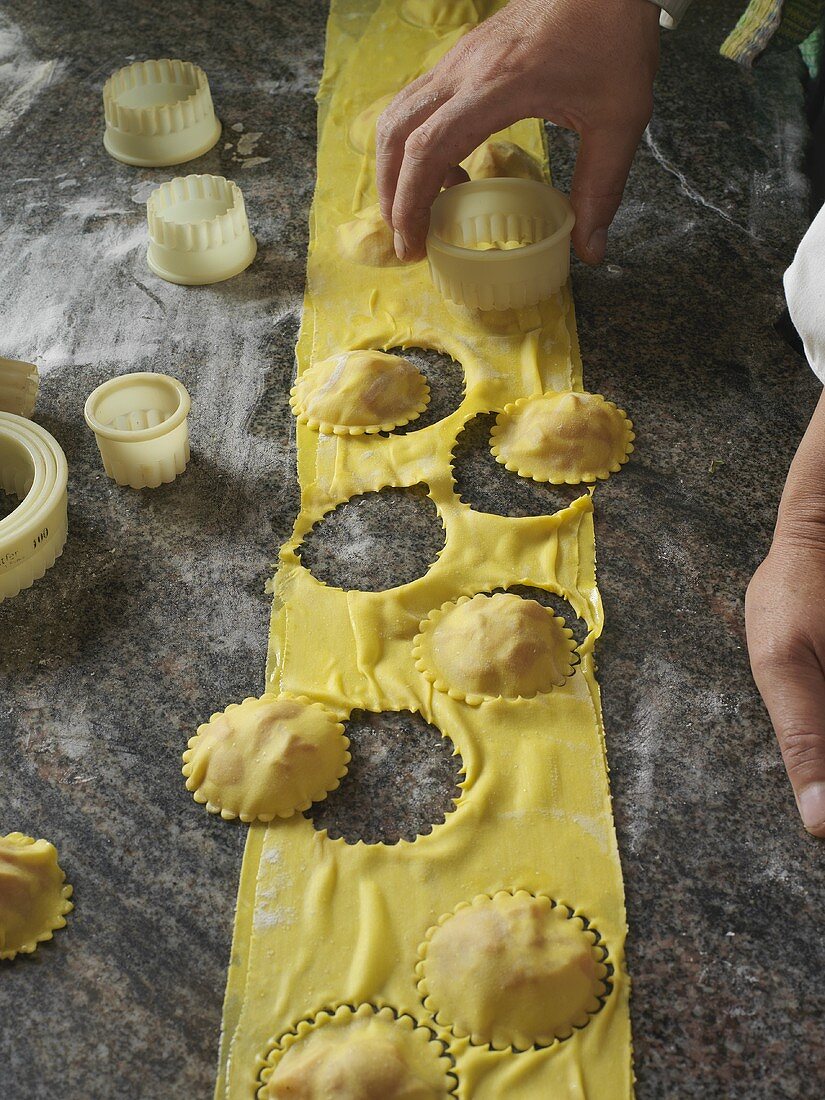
column 85, row 207
column 22, row 76
column 302, row 78
column 82, row 294
column 141, row 191
column 75, row 737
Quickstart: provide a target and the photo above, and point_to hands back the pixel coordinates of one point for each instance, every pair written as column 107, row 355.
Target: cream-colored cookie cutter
column 140, row 424
column 19, row 383
column 198, row 230
column 159, row 113
column 500, row 243
column 33, row 468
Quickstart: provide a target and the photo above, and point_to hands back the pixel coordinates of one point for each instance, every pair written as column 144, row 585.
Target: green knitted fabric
column 751, row 35
column 800, row 18
column 785, row 24
column 811, row 50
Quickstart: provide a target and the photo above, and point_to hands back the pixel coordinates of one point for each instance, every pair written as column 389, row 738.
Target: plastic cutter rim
column 22, row 556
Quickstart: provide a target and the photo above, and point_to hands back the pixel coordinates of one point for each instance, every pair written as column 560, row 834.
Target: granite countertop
column 156, row 614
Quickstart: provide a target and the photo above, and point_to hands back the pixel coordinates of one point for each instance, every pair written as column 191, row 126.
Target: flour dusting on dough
column 274, row 918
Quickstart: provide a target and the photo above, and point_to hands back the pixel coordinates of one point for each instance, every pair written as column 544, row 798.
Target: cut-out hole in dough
column 564, row 438
column 375, row 541
column 490, row 647
column 486, row 486
column 403, row 779
column 515, row 970
column 360, row 393
column 444, row 376
column 363, row 1053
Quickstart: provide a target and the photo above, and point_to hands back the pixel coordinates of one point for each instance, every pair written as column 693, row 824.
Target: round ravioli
column 562, row 438
column 34, row 896
column 486, row 647
column 266, row 758
column 360, row 392
column 362, row 129
column 362, row 1054
column 367, row 239
column 497, row 159
column 515, row 970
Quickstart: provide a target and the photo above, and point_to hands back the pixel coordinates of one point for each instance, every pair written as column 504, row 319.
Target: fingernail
column 811, row 802
column 597, row 244
column 400, row 247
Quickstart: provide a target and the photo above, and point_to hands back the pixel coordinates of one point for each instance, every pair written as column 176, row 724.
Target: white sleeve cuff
column 672, row 11
column 805, row 292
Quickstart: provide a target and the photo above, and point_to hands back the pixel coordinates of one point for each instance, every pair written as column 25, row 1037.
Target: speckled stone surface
column 156, row 614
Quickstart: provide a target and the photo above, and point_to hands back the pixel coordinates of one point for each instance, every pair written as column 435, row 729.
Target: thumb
column 602, row 167
column 793, row 687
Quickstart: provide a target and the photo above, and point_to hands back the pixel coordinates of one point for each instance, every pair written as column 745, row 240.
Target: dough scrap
column 34, row 895
column 562, row 438
column 266, row 758
column 367, row 239
column 488, row 647
column 362, row 1054
column 500, row 246
column 441, row 13
column 513, row 970
column 362, row 129
column 360, row 392
column 495, row 159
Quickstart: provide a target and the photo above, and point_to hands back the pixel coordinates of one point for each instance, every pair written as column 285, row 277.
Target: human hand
column 785, row 617
column 785, row 620
column 585, row 65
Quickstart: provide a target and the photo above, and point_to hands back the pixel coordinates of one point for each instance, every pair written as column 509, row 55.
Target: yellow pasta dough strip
column 322, row 924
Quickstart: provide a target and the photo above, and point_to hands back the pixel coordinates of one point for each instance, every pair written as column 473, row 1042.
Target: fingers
column 408, row 110
column 602, row 167
column 431, row 153
column 795, row 698
column 791, row 680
